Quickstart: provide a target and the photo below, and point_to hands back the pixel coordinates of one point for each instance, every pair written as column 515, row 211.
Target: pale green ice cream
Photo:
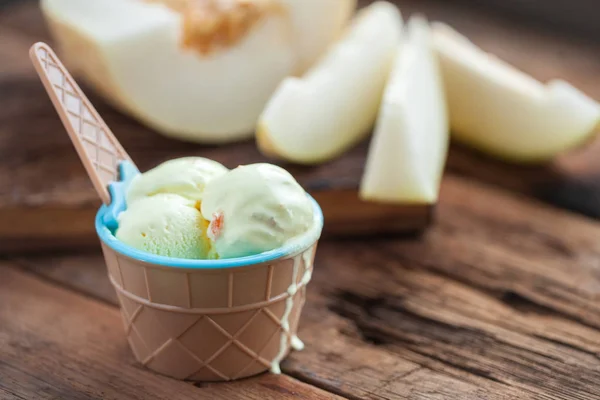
column 253, row 209
column 195, row 208
column 186, row 177
column 166, row 225
column 163, row 209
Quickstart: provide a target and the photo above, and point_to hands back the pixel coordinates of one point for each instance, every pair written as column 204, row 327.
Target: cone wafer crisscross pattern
column 209, row 325
column 97, row 147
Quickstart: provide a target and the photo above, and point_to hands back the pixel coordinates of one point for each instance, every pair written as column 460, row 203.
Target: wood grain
column 422, row 302
column 58, row 345
column 499, row 300
column 524, row 250
column 338, row 361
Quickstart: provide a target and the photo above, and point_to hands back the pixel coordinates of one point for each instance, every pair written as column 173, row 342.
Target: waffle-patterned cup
column 200, row 320
column 211, row 320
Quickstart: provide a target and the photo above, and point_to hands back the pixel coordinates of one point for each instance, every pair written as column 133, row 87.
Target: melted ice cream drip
column 295, row 341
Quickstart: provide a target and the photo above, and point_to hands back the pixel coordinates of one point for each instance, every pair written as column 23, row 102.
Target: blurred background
column 576, row 16
column 42, row 183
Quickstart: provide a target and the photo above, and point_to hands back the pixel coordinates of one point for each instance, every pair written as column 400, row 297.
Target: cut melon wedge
column 315, row 118
column 408, row 150
column 500, row 110
column 142, row 57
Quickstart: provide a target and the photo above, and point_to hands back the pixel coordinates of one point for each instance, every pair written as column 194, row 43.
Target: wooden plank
column 85, row 273
column 498, row 301
column 56, row 344
column 522, row 249
column 335, row 361
column 439, row 324
column 519, row 307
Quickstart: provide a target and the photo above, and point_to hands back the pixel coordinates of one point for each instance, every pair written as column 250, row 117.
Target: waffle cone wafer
column 211, row 324
column 99, row 150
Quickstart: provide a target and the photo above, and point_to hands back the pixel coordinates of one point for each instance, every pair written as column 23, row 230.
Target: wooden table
column 500, row 299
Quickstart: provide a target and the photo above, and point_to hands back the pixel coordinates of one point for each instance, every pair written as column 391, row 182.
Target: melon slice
column 408, row 150
column 500, row 110
column 315, row 118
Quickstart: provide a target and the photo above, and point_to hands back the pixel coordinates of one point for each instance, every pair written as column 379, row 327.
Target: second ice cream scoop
column 253, row 209
column 186, row 177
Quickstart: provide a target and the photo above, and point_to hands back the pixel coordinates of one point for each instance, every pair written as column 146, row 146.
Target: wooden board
column 499, row 300
column 42, row 184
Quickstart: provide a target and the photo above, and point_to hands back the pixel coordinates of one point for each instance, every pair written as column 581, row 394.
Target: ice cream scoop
column 186, row 177
column 255, row 208
column 166, row 225
column 247, row 211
